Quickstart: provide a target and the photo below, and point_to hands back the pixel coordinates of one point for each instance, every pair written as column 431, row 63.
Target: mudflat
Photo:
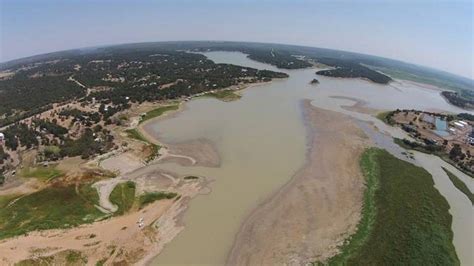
column 308, row 218
column 199, row 152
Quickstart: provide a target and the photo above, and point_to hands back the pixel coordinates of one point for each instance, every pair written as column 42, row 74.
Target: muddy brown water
column 261, row 140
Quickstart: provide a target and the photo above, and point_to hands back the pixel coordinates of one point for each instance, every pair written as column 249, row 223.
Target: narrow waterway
column 261, row 141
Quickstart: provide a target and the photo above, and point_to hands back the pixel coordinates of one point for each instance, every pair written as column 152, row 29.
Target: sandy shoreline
column 312, row 214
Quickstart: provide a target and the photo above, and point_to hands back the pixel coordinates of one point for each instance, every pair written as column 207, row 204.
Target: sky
column 432, row 33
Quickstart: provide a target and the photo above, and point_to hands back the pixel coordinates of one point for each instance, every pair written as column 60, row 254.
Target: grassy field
column 459, row 184
column 135, row 134
column 52, row 207
column 67, row 257
column 42, row 173
column 150, row 197
column 158, row 112
column 123, row 196
column 406, row 221
column 225, row 95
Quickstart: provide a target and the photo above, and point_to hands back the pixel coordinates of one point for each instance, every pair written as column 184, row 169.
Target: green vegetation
column 52, row 151
column 425, row 148
column 24, row 94
column 123, row 196
column 75, row 256
column 435, row 150
column 101, row 262
column 135, row 134
column 67, row 257
column 351, row 69
column 278, row 58
column 410, row 225
column 463, row 99
column 88, row 193
column 224, row 95
column 3, row 156
column 50, row 127
column 20, row 135
column 153, row 152
column 465, row 116
column 52, row 207
column 150, row 197
column 6, row 199
column 41, row 261
column 371, row 171
column 189, row 177
column 50, row 135
column 86, row 146
column 386, row 117
column 44, row 174
column 158, row 112
column 460, row 185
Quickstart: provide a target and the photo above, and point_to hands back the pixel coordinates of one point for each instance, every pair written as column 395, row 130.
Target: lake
column 261, row 140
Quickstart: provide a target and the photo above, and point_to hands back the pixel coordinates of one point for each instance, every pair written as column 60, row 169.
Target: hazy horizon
column 436, row 34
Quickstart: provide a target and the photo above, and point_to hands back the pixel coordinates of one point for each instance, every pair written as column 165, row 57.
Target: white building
column 458, row 125
column 463, row 122
column 2, row 137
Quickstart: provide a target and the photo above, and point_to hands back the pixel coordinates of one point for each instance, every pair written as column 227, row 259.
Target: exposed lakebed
column 261, row 140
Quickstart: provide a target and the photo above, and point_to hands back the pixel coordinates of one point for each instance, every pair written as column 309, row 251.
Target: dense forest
column 87, row 90
column 117, row 76
column 350, row 69
column 156, row 71
column 56, row 141
column 278, row 58
column 464, row 99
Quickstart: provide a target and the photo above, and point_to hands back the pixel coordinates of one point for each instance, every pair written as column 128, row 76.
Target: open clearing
column 50, row 208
